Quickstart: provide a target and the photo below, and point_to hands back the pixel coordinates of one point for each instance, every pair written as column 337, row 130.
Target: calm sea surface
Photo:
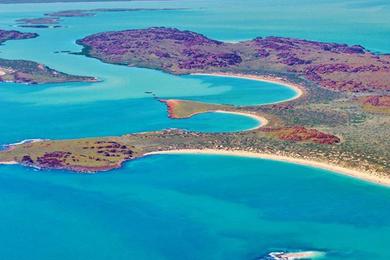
column 178, row 206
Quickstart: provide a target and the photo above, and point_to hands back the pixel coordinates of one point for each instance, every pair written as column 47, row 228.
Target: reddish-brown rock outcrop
column 15, row 35
column 334, row 66
column 302, row 134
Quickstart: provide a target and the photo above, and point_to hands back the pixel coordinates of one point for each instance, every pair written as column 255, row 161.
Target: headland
column 30, row 72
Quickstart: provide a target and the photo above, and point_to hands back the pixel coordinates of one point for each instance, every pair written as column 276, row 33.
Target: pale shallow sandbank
column 299, row 90
column 296, row 255
column 334, row 168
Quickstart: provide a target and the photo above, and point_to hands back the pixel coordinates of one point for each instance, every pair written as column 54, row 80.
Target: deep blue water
column 187, row 206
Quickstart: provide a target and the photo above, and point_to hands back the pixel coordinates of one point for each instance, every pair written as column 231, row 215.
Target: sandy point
column 172, row 103
column 365, row 176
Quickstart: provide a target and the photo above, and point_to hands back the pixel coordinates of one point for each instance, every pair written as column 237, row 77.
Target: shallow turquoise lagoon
column 187, row 206
column 105, row 118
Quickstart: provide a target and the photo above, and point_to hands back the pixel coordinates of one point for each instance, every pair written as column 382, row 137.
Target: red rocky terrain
column 333, row 66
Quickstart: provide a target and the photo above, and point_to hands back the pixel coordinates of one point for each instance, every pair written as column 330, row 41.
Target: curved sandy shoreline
column 334, row 168
column 299, row 90
column 262, row 121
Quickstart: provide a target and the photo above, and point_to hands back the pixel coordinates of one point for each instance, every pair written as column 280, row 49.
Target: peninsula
column 338, row 120
column 30, row 72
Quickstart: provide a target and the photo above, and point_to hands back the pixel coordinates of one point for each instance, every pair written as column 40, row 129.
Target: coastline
column 299, row 90
column 170, row 103
column 261, row 120
column 9, row 163
column 326, row 166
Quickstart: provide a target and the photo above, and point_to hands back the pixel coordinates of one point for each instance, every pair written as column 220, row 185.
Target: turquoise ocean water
column 187, row 206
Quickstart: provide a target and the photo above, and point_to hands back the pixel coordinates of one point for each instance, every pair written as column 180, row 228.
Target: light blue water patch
column 119, row 82
column 217, row 122
column 242, row 91
column 25, row 121
column 120, row 103
column 191, row 207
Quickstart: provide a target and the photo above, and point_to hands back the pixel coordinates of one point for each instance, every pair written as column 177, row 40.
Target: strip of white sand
column 327, row 166
column 296, row 255
column 8, row 163
column 262, row 120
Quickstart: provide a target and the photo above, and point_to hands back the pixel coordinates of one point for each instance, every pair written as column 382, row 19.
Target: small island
column 52, row 19
column 39, row 21
column 92, row 12
column 15, row 35
column 70, row 13
column 30, row 72
column 339, row 119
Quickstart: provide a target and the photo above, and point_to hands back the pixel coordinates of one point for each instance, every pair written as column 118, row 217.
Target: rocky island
column 52, row 19
column 30, row 72
column 330, row 65
column 337, row 121
column 92, row 12
column 39, row 21
column 15, row 35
